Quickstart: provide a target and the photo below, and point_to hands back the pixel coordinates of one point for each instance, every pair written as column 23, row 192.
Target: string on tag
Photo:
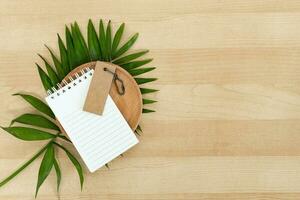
column 116, row 79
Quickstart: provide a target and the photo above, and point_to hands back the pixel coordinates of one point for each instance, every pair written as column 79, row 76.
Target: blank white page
column 97, row 138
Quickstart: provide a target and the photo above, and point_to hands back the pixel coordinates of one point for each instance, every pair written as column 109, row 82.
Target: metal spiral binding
column 59, row 88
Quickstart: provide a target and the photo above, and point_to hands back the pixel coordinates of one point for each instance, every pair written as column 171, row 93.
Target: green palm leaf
column 135, row 64
column 58, row 173
column 147, row 90
column 51, row 73
column 64, row 138
column 136, row 72
column 93, row 42
column 63, row 55
column 126, row 46
column 80, row 46
column 28, row 134
column 144, row 80
column 74, row 61
column 37, row 104
column 36, row 120
column 75, row 163
column 148, row 101
column 130, row 57
column 61, row 73
column 45, row 168
column 26, row 164
column 147, row 110
column 108, row 41
column 102, row 41
column 117, row 39
column 46, row 81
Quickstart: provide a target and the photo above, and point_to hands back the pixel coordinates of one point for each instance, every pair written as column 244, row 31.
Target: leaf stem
column 64, row 138
column 59, row 145
column 15, row 173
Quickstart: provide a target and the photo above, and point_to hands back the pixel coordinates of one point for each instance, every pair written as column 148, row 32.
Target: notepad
column 98, row 139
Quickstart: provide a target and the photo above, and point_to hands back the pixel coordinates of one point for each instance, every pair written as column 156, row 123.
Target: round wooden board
column 130, row 104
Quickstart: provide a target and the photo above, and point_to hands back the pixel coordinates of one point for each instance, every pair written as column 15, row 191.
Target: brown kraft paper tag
column 99, row 87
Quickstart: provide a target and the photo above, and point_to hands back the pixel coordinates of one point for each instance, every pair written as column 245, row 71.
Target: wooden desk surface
column 227, row 124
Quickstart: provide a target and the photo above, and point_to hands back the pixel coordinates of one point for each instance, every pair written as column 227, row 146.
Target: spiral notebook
column 98, row 139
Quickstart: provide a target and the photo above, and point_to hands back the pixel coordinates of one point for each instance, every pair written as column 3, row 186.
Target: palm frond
column 63, row 56
column 102, row 46
column 136, row 72
column 148, row 110
column 26, row 164
column 144, row 80
column 126, row 46
column 61, row 73
column 80, row 46
column 148, row 101
column 102, row 41
column 108, row 41
column 73, row 59
column 135, row 64
column 58, row 172
column 130, row 57
column 75, row 163
column 35, row 120
column 37, row 103
column 117, row 39
column 45, row 167
column 51, row 73
column 46, row 81
column 147, row 90
column 93, row 42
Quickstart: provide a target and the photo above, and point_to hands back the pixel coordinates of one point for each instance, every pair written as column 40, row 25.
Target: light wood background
column 227, row 124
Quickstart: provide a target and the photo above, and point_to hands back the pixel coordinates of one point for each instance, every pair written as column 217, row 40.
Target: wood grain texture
column 227, row 124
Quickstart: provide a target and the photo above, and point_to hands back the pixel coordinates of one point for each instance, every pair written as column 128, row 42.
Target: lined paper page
column 98, row 139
